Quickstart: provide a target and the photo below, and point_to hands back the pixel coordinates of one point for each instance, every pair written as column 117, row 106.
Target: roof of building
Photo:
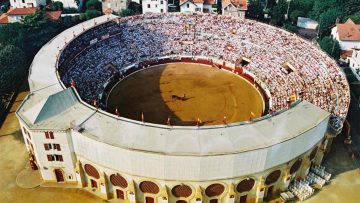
column 53, row 15
column 348, row 31
column 4, row 18
column 198, row 1
column 345, row 54
column 241, row 4
column 21, row 11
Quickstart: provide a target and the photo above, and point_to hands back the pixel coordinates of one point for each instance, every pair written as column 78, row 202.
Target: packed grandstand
column 127, row 42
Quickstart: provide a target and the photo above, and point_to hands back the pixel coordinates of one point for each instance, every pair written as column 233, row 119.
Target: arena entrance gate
column 59, row 175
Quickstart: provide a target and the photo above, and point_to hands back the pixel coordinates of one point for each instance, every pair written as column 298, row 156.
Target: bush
column 91, row 14
column 93, row 5
column 290, row 27
column 57, row 6
column 330, row 46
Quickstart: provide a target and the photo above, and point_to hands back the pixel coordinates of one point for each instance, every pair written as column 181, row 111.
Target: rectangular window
column 148, row 5
column 161, row 10
column 46, row 146
column 57, row 147
column 23, row 1
column 50, row 157
column 58, row 157
column 188, row 5
column 161, row 2
column 47, row 136
column 51, row 135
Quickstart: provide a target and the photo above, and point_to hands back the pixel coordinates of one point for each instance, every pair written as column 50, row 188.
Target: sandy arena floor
column 210, row 94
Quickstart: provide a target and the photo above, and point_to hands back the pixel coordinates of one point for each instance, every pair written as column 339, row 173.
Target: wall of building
column 115, row 5
column 66, row 164
column 26, row 3
column 260, row 190
column 354, row 61
column 191, row 7
column 154, row 6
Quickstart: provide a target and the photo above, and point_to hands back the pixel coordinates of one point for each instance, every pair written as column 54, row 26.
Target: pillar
column 131, row 192
column 260, row 190
column 231, row 194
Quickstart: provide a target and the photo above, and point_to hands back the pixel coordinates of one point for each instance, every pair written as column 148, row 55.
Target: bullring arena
column 182, row 108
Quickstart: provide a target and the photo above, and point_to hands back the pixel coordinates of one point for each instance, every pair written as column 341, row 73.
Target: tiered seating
column 301, row 189
column 316, row 77
column 320, row 171
column 315, row 179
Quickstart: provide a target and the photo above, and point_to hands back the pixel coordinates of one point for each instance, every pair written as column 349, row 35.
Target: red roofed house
column 234, row 8
column 348, row 35
column 197, row 6
column 16, row 15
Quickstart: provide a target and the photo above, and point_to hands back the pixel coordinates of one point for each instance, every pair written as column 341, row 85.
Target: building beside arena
column 73, row 139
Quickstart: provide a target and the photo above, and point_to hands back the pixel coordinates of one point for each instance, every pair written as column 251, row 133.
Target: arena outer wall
column 118, row 158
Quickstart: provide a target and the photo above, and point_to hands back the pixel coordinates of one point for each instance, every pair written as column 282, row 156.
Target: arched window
column 295, row 167
column 245, row 185
column 149, row 187
column 214, row 190
column 118, row 180
column 313, row 153
column 181, row 191
column 91, row 171
column 272, row 177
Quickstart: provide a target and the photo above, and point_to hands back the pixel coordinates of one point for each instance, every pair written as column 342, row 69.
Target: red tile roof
column 349, row 31
column 198, row 1
column 241, row 4
column 53, row 15
column 21, row 11
column 4, row 19
column 345, row 54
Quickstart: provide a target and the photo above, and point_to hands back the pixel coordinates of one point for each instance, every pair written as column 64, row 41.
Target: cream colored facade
column 76, row 144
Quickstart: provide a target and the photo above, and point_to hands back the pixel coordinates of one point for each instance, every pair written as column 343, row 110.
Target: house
column 68, row 3
column 27, row 3
column 307, row 23
column 16, row 15
column 154, row 6
column 348, row 35
column 235, row 8
column 115, row 5
column 354, row 60
column 197, row 6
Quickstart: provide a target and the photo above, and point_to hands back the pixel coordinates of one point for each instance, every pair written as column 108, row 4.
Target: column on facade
column 131, row 192
column 231, row 194
column 164, row 195
column 79, row 172
column 260, row 190
column 103, row 186
column 198, row 195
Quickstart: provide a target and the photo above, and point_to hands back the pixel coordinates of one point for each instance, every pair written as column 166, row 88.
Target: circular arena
column 182, row 108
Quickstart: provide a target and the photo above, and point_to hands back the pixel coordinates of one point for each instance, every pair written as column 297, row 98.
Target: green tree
column 350, row 7
column 12, row 68
column 327, row 21
column 321, row 6
column 135, row 7
column 301, row 5
column 255, row 10
column 93, row 5
column 12, row 34
column 354, row 17
column 330, row 46
column 295, row 14
column 57, row 6
column 278, row 13
column 126, row 12
column 91, row 14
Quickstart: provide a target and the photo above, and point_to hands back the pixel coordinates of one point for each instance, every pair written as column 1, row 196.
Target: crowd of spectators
column 313, row 76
